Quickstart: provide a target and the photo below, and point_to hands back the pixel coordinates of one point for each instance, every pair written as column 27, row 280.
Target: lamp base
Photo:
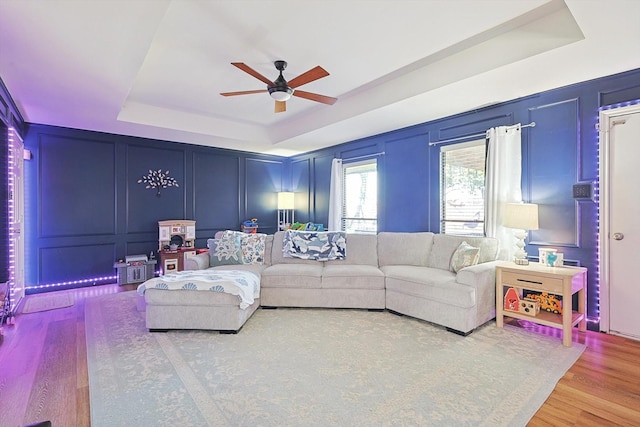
column 520, row 253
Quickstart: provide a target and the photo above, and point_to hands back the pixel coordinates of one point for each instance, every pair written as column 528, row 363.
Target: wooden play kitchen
column 520, row 287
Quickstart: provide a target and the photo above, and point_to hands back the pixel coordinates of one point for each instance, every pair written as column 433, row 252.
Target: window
column 462, row 188
column 360, row 197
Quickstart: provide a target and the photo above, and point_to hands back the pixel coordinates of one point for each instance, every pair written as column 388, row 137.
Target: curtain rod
column 381, row 153
column 530, row 125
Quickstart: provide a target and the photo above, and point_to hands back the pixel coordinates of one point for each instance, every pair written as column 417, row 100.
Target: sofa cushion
column 404, row 248
column 352, row 277
column 268, row 243
column 464, row 256
column 291, row 276
column 429, row 283
column 361, row 250
column 444, row 246
column 278, row 258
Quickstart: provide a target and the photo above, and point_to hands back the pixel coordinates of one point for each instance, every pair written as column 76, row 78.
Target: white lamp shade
column 285, row 200
column 523, row 216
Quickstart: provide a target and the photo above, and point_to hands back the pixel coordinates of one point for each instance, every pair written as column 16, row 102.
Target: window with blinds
column 360, row 197
column 462, row 188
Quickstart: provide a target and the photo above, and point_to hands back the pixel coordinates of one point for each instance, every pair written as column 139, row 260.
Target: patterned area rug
column 47, row 301
column 315, row 367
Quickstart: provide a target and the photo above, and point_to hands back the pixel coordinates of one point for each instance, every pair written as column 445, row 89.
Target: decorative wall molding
column 553, row 159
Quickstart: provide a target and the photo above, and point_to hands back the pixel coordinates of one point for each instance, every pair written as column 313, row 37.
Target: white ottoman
column 210, row 300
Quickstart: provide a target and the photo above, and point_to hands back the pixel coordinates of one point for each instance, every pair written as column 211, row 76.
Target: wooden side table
column 563, row 281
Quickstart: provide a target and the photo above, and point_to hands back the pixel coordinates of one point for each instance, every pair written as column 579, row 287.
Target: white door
column 16, row 217
column 621, row 234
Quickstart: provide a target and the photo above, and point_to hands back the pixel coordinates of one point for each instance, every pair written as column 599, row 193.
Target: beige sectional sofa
column 406, row 273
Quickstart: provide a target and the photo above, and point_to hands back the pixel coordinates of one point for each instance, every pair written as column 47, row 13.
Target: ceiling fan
column 281, row 90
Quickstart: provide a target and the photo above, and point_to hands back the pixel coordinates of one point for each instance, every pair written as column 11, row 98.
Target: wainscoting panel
column 143, row 205
column 140, row 248
column 216, row 187
column 301, row 186
column 76, row 187
column 553, row 169
column 406, row 163
column 473, row 127
column 65, row 263
column 263, row 179
column 321, row 180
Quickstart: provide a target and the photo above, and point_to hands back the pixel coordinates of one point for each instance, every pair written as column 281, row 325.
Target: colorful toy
column 511, row 300
column 530, row 307
column 548, row 302
column 250, row 226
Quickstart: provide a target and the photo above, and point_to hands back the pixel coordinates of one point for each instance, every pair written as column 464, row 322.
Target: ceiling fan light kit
column 280, row 94
column 280, row 90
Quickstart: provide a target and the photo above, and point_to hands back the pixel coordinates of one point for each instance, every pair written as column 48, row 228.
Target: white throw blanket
column 244, row 284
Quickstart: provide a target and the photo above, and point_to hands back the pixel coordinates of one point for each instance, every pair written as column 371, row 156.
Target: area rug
column 48, row 301
column 315, row 367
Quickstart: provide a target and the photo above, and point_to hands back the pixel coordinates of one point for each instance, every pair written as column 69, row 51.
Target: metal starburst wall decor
column 158, row 180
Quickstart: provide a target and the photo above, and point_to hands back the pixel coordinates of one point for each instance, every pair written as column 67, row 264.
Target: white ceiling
column 155, row 68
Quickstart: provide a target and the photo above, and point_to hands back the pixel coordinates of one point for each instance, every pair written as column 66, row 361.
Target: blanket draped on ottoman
column 244, row 284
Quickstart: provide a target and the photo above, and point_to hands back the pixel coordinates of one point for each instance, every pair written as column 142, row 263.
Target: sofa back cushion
column 278, row 258
column 268, row 247
column 444, row 246
column 405, row 248
column 361, row 249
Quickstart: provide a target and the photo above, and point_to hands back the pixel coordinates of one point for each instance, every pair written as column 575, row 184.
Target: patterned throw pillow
column 224, row 251
column 319, row 246
column 252, row 246
column 464, row 256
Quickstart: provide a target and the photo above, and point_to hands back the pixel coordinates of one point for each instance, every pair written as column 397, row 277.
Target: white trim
column 606, row 119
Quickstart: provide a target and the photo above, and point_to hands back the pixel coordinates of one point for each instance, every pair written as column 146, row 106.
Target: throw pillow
column 252, row 246
column 319, row 246
column 464, row 256
column 224, row 251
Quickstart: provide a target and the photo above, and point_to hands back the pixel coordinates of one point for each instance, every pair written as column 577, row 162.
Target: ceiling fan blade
column 315, row 97
column 244, row 92
column 311, row 75
column 244, row 67
column 280, row 107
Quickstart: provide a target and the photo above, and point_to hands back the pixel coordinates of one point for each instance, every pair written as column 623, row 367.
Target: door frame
column 607, row 119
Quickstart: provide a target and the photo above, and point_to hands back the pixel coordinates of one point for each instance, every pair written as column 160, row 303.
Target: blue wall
column 561, row 150
column 85, row 209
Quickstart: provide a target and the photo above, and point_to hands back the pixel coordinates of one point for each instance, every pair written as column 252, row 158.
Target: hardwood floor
column 43, row 373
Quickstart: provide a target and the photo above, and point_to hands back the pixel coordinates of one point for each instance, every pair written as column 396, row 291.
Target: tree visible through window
column 360, row 197
column 462, row 188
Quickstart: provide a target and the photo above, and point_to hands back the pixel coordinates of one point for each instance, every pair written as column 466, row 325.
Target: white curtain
column 335, row 196
column 502, row 183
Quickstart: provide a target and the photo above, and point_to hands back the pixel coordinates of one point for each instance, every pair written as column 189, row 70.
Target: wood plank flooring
column 43, row 373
